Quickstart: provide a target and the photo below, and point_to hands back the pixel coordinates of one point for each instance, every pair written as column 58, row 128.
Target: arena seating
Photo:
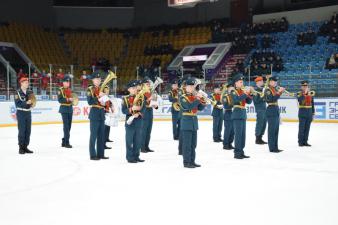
column 42, row 47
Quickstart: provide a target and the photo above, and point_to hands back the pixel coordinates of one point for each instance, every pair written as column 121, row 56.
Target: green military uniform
column 24, row 118
column 66, row 111
column 260, row 108
column 189, row 126
column 228, row 135
column 147, row 121
column 173, row 98
column 97, row 118
column 305, row 114
column 240, row 99
column 217, row 118
column 133, row 130
column 271, row 96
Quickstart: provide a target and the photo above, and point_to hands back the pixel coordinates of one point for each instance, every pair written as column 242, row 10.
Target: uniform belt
column 22, row 109
column 98, row 106
column 189, row 114
column 239, row 106
column 273, row 103
column 305, row 106
column 228, row 109
column 65, row 104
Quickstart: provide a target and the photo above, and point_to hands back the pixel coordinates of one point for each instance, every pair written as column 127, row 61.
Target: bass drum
column 111, row 120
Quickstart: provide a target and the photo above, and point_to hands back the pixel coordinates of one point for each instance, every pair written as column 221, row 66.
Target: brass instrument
column 32, row 97
column 157, row 82
column 266, row 85
column 312, row 93
column 75, row 98
column 176, row 105
column 287, row 93
column 138, row 101
column 111, row 75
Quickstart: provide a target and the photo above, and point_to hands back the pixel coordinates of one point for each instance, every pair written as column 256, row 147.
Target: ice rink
column 60, row 186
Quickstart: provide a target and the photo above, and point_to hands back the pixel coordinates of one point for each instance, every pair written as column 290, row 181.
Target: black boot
column 21, row 149
column 106, row 147
column 67, row 145
column 259, row 140
column 63, row 144
column 27, row 150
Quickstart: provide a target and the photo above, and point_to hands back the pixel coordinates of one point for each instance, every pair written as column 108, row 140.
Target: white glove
column 220, row 106
column 153, row 103
column 130, row 120
column 104, row 99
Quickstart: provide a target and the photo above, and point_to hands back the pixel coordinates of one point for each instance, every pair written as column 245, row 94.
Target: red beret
column 258, row 79
column 22, row 79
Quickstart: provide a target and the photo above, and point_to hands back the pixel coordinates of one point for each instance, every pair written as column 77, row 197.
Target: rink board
column 46, row 112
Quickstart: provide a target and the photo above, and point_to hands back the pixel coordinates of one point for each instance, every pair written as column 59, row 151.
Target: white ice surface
column 60, row 186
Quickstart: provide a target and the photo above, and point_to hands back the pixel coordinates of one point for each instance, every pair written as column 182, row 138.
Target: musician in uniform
column 260, row 108
column 96, row 117
column 271, row 95
column 133, row 130
column 147, row 117
column 190, row 104
column 228, row 135
column 217, row 115
column 23, row 105
column 305, row 114
column 66, row 110
column 175, row 109
column 240, row 98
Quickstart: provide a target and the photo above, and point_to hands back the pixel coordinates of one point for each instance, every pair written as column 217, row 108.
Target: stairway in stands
column 225, row 71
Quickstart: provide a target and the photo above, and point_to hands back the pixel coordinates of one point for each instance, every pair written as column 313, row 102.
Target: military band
column 66, row 110
column 229, row 106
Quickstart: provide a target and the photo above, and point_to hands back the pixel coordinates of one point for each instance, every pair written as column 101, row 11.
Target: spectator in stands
column 21, row 74
column 84, row 80
column 306, row 38
column 240, row 66
column 44, row 82
column 331, row 63
column 324, row 30
column 36, row 79
column 59, row 77
column 278, row 64
column 334, row 36
column 266, row 41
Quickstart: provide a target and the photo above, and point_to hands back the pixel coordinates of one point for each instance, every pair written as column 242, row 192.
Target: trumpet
column 312, row 93
column 252, row 90
column 286, row 92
